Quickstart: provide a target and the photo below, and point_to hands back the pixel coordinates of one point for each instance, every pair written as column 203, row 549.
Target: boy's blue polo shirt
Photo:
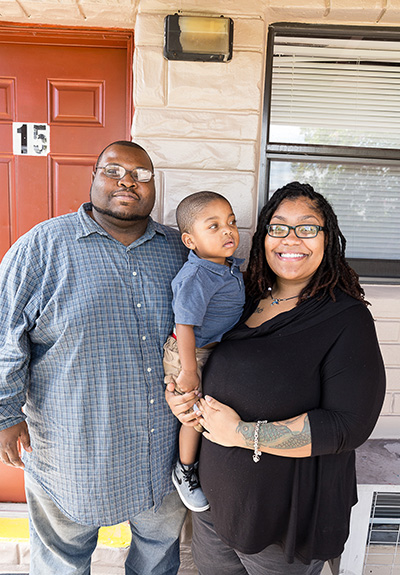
column 209, row 296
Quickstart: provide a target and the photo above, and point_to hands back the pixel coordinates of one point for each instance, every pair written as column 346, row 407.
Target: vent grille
column 382, row 555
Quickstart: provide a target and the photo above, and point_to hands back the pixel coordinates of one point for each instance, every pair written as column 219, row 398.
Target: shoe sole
column 188, row 505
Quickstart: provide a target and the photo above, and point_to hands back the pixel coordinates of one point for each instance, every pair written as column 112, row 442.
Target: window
column 332, row 119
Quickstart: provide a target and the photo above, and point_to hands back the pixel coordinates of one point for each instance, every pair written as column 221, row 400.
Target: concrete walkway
column 108, row 558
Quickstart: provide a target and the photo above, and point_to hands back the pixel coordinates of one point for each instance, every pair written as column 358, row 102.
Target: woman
column 305, row 358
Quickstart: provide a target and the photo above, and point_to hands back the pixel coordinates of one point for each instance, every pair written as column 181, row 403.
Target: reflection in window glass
column 365, row 197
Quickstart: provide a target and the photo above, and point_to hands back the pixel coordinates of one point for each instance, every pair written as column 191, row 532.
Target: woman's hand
column 220, row 423
column 180, row 404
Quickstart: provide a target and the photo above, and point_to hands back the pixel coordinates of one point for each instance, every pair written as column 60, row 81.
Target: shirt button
column 152, row 401
column 143, row 337
column 152, row 430
column 134, row 273
column 149, row 369
column 138, row 305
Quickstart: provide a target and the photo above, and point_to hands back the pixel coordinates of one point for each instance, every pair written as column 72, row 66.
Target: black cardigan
column 322, row 357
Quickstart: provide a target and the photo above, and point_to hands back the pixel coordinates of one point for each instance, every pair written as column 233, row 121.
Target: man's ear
column 188, row 240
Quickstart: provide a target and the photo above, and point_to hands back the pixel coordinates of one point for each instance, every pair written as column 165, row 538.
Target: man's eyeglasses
column 117, row 172
column 302, row 231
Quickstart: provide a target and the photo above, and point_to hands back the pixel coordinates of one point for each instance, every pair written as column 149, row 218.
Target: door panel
column 76, row 103
column 5, row 195
column 7, row 99
column 69, row 182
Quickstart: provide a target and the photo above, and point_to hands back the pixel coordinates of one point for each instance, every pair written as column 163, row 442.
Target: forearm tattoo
column 288, row 434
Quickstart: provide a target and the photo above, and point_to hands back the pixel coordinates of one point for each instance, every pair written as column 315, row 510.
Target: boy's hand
column 187, row 381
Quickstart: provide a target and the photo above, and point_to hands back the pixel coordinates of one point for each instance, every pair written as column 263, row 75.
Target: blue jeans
column 212, row 556
column 59, row 546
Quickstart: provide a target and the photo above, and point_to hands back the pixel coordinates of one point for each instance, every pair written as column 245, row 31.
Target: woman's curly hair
column 334, row 271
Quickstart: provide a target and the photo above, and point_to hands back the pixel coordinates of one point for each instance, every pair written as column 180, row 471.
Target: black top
column 322, row 357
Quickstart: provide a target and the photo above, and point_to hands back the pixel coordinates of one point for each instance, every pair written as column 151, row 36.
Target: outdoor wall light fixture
column 198, row 38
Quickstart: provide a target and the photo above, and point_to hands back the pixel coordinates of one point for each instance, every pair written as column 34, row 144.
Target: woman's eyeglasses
column 302, row 231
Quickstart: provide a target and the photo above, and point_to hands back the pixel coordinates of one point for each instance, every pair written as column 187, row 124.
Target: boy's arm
column 188, row 379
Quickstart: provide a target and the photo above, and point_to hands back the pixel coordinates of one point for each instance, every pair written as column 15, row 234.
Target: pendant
column 275, row 301
column 256, row 456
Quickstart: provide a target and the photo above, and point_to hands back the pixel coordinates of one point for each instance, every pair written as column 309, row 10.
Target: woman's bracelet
column 257, row 452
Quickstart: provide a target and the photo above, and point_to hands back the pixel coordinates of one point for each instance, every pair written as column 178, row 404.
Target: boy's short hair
column 188, row 209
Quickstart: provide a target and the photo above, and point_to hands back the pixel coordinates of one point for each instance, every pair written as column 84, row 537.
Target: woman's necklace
column 277, row 300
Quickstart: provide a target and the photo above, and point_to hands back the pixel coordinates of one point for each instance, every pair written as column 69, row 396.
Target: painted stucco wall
column 201, row 122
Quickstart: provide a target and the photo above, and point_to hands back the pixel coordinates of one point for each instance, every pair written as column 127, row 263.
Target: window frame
column 370, row 270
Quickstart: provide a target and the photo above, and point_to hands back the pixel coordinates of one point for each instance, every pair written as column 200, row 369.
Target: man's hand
column 9, row 453
column 180, row 405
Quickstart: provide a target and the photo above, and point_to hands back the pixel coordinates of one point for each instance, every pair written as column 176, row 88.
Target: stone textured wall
column 385, row 308
column 202, row 122
column 101, row 13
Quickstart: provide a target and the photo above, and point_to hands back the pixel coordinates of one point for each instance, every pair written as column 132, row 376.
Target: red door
column 64, row 95
column 74, row 89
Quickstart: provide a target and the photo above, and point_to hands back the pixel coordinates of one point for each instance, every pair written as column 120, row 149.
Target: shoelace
column 191, row 477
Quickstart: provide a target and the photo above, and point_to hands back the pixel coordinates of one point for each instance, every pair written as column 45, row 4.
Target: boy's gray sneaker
column 186, row 481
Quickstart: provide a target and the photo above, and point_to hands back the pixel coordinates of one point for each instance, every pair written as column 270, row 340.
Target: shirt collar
column 89, row 226
column 219, row 269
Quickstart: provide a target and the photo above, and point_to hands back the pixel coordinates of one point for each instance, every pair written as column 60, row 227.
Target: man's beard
column 117, row 216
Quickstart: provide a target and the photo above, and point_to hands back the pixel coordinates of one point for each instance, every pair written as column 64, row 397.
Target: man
column 85, row 309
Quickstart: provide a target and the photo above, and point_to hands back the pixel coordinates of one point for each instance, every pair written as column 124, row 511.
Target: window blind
column 335, row 92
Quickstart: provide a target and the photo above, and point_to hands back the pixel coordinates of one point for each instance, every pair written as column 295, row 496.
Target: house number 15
column 31, row 139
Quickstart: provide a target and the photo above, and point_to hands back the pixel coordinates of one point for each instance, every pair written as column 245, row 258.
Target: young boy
column 208, row 299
